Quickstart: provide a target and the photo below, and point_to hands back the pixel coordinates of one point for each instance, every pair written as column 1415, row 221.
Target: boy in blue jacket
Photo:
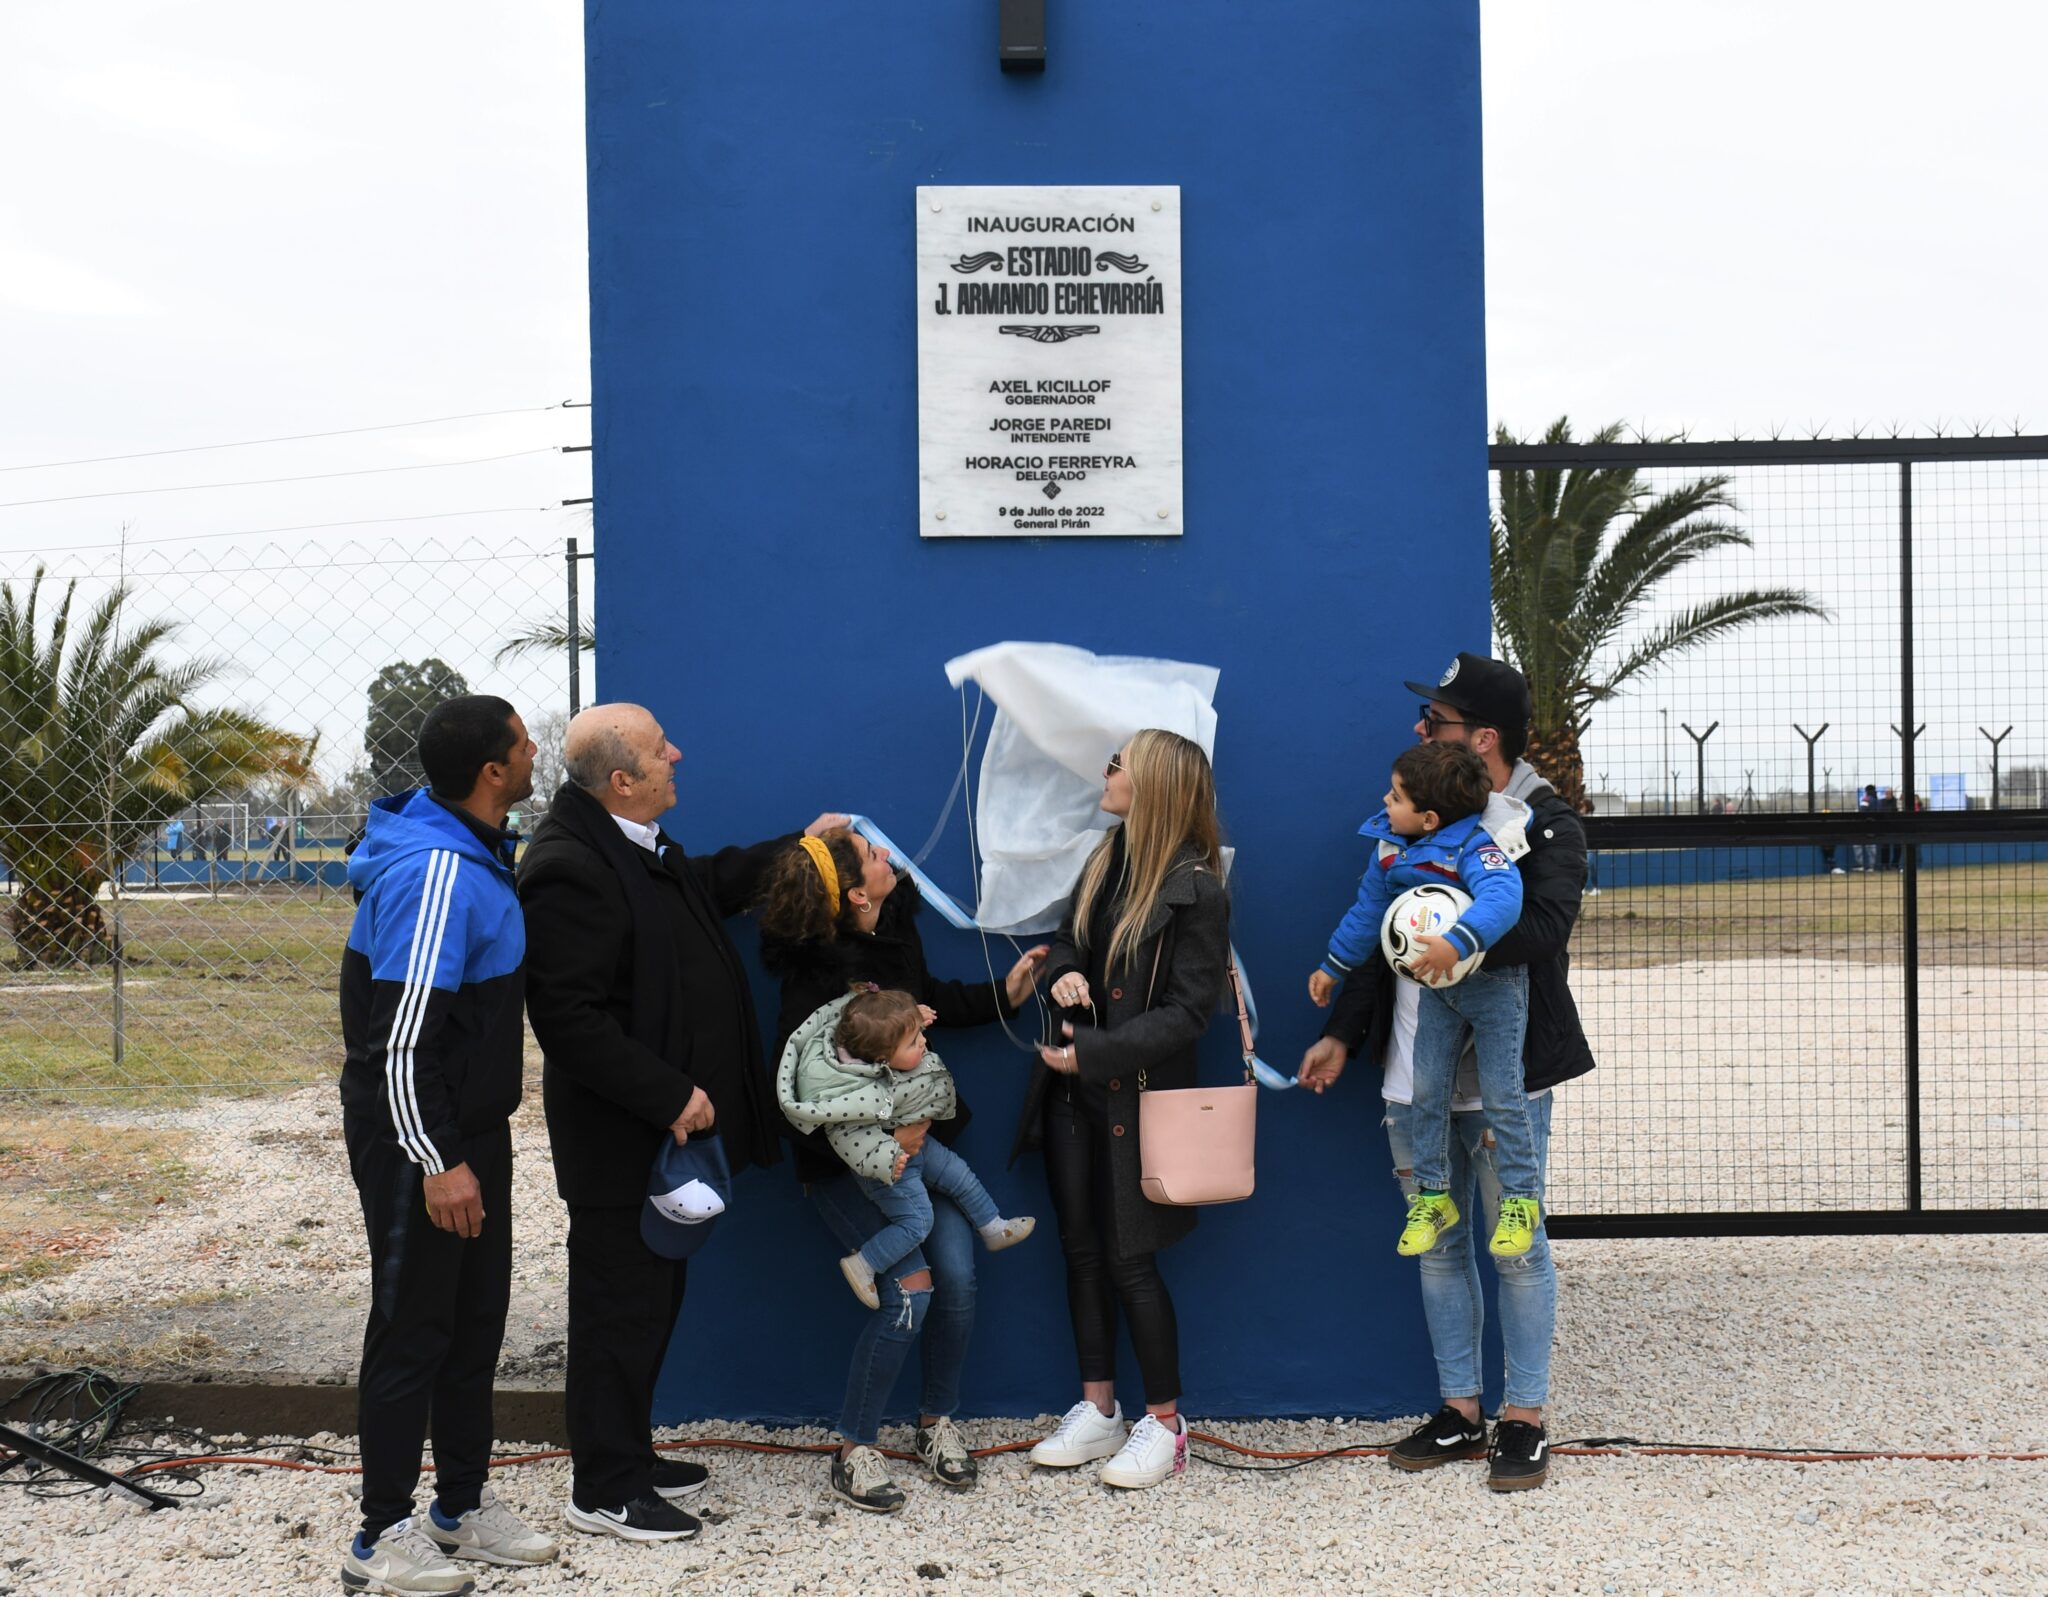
column 1443, row 823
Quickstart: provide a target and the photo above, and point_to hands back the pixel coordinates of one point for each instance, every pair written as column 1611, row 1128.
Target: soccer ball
column 1429, row 910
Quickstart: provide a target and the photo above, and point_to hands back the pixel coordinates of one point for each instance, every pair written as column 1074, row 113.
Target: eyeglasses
column 1116, row 764
column 1432, row 720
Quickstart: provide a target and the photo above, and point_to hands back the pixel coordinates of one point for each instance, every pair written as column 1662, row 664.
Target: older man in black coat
column 647, row 1030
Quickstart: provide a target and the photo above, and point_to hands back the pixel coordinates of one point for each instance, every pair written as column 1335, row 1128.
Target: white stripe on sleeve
column 437, row 892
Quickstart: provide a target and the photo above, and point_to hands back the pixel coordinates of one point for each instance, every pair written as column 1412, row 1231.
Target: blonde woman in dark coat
column 1138, row 967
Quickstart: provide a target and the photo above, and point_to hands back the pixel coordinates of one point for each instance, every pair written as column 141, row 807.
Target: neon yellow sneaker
column 1516, row 1233
column 1430, row 1215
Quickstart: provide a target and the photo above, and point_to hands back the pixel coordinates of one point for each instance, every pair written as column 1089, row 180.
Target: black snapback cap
column 1491, row 691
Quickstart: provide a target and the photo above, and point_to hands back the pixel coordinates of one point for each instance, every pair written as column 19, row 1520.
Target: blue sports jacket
column 433, row 980
column 1463, row 854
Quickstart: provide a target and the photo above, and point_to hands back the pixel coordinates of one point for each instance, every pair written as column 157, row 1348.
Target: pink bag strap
column 1244, row 1024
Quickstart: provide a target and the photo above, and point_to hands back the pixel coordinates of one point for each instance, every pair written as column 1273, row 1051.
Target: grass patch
column 1968, row 914
column 68, row 1183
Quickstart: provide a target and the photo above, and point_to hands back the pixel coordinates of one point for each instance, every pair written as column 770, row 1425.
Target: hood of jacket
column 408, row 824
column 1505, row 819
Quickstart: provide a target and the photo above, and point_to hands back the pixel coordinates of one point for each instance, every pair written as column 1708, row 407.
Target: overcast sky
column 234, row 220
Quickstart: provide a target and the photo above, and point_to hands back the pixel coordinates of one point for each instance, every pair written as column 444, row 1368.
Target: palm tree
column 1564, row 591
column 547, row 637
column 99, row 747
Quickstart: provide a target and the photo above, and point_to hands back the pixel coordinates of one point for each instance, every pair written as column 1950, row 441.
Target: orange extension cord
column 1597, row 1449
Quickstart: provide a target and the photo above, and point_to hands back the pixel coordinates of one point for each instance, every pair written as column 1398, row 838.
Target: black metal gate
column 1817, row 1011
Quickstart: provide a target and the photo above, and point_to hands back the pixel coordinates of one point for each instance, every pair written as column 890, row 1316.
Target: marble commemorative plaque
column 1048, row 361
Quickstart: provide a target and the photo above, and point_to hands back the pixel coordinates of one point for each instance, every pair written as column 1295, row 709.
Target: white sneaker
column 490, row 1533
column 999, row 1233
column 1149, row 1454
column 402, row 1560
column 861, row 1277
column 1083, row 1435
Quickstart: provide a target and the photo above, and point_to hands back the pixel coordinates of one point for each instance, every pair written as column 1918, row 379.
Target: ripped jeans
column 942, row 1318
column 1451, row 1300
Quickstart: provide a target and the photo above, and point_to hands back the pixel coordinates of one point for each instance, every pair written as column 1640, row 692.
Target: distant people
column 174, row 839
column 648, row 1037
column 1587, row 807
column 1140, row 963
column 1892, row 854
column 430, row 1019
column 1864, row 855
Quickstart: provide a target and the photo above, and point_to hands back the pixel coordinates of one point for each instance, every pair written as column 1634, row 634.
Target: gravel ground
column 1899, row 1343
column 1895, row 1343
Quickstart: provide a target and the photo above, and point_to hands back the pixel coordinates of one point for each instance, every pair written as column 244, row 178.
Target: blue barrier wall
column 761, row 584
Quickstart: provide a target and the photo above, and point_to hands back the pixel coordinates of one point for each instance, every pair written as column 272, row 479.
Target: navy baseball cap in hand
column 687, row 1190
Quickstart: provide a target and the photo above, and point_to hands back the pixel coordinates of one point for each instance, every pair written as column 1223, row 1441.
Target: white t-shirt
column 1398, row 1083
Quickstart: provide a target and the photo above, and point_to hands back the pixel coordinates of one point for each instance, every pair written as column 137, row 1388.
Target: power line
column 293, row 438
column 265, row 482
column 258, row 532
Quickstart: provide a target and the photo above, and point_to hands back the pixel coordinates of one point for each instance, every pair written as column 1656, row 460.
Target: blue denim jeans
column 1451, row 1300
column 944, row 1316
column 1495, row 1004
column 906, row 1202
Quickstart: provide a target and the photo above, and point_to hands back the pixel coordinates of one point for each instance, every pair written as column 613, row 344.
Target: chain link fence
column 188, row 744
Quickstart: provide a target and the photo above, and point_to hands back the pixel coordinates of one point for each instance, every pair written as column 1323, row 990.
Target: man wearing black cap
column 1485, row 705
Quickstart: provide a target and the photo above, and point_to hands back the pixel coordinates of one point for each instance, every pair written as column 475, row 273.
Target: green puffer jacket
column 859, row 1104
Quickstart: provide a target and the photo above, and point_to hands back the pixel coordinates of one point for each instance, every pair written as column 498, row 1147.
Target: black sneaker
column 646, row 1519
column 943, row 1451
column 1445, row 1438
column 677, row 1478
column 1520, row 1458
column 862, row 1479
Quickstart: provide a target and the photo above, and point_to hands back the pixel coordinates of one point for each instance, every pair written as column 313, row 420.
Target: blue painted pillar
column 761, row 583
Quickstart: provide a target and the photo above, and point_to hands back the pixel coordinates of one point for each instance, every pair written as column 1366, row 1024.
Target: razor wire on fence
column 188, row 746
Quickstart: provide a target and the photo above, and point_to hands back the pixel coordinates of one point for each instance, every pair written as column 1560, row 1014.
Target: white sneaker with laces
column 491, row 1533
column 999, row 1233
column 402, row 1560
column 1150, row 1453
column 1083, row 1435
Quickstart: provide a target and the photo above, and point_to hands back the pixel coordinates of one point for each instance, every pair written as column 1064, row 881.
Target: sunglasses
column 1116, row 764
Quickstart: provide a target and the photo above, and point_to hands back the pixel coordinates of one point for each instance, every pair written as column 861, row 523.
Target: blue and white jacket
column 1477, row 853
column 433, row 979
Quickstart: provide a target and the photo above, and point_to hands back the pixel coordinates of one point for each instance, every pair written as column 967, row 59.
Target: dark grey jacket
column 1148, row 1021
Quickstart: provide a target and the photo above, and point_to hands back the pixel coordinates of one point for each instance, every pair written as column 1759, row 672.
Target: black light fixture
column 1021, row 35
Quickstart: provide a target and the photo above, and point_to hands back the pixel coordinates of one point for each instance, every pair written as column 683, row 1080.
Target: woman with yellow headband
column 833, row 914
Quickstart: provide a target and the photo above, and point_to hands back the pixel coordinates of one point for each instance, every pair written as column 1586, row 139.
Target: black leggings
column 1077, row 1169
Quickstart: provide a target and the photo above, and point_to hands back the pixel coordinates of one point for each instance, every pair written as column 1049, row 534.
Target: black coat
column 815, row 973
column 1149, row 1019
column 1553, row 887
column 637, row 996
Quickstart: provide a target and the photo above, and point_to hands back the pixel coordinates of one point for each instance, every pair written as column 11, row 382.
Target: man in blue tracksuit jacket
column 432, row 987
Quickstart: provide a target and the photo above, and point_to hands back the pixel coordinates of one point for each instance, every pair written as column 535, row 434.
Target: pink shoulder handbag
column 1195, row 1144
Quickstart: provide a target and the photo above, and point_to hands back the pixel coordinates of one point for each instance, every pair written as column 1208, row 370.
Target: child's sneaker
column 999, row 1233
column 1153, row 1451
column 860, row 1276
column 1430, row 1215
column 1516, row 1232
